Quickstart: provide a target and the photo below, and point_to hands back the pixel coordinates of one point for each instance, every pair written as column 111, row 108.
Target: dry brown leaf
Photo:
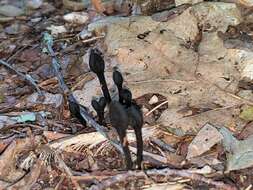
column 207, row 137
column 30, row 179
column 8, row 170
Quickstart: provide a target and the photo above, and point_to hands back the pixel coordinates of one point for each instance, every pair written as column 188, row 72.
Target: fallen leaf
column 21, row 118
column 54, row 99
column 29, row 179
column 239, row 153
column 29, row 55
column 206, row 138
column 8, row 170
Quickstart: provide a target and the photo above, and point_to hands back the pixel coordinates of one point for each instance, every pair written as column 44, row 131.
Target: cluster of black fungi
column 123, row 112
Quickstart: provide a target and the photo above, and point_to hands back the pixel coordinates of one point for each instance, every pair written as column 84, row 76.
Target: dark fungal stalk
column 97, row 65
column 99, row 107
column 136, row 121
column 117, row 114
column 118, row 81
column 74, row 109
column 119, row 120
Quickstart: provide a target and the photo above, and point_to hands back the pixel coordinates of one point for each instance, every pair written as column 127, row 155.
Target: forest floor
column 189, row 68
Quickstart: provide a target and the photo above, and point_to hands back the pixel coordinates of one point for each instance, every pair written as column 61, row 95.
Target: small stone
column 76, row 17
column 153, row 100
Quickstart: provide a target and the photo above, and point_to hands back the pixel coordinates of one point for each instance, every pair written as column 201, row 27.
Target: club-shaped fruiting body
column 118, row 81
column 96, row 62
column 119, row 120
column 97, row 65
column 99, row 107
column 122, row 113
column 135, row 119
column 74, row 109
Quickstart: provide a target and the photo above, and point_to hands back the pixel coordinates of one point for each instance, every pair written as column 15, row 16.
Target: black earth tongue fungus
column 99, row 107
column 102, row 104
column 74, row 109
column 119, row 120
column 135, row 119
column 126, row 96
column 118, row 81
column 123, row 113
column 97, row 65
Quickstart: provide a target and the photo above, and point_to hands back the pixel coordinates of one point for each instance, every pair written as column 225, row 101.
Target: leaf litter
column 188, row 64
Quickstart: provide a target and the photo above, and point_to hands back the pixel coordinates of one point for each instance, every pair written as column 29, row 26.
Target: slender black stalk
column 139, row 142
column 119, row 120
column 101, row 78
column 128, row 159
column 74, row 109
column 102, row 104
column 118, row 81
column 24, row 76
column 97, row 65
column 99, row 109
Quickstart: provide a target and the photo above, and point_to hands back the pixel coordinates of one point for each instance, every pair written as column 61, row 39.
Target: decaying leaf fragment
column 206, row 138
column 239, row 153
column 8, row 170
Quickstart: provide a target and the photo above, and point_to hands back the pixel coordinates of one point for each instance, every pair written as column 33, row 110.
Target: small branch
column 67, row 170
column 93, row 39
column 163, row 145
column 155, row 108
column 24, row 76
column 57, row 69
column 155, row 173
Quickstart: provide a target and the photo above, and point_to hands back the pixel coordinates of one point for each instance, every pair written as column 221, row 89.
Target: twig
column 67, row 170
column 93, row 39
column 48, row 40
column 158, row 173
column 163, row 145
column 24, row 76
column 155, row 108
column 16, row 53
